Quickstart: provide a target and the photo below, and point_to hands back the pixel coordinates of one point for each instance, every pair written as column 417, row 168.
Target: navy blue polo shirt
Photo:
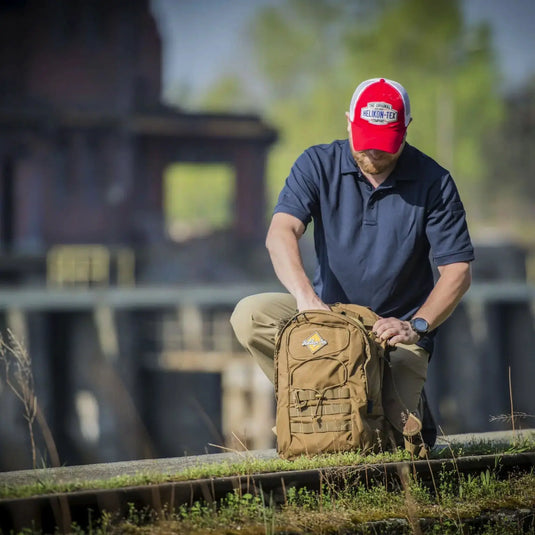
column 374, row 245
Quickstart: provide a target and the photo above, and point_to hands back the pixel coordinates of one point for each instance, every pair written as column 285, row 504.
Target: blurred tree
column 314, row 54
column 451, row 76
column 229, row 93
column 512, row 186
column 301, row 52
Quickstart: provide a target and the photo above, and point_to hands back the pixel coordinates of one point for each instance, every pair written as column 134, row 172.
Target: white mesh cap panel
column 397, row 86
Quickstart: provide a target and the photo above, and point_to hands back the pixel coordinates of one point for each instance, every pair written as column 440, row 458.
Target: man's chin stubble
column 374, row 170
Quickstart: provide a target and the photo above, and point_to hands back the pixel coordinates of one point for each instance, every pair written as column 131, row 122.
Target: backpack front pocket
column 317, row 340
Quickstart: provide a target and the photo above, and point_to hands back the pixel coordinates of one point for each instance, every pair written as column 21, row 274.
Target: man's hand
column 311, row 302
column 395, row 331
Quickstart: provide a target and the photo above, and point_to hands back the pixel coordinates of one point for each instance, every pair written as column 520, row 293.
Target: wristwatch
column 419, row 326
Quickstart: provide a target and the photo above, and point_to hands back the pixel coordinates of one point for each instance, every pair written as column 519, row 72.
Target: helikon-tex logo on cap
column 379, row 113
column 314, row 342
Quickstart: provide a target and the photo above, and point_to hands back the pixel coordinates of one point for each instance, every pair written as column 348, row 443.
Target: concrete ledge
column 101, row 471
column 494, row 437
column 170, row 466
column 57, row 511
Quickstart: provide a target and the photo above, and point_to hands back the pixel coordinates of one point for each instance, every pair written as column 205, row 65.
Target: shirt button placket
column 371, row 211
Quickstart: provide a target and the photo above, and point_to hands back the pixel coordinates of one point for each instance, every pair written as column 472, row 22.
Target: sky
column 513, row 23
column 203, row 39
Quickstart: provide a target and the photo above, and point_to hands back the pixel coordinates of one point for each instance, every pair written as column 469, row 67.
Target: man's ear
column 348, row 122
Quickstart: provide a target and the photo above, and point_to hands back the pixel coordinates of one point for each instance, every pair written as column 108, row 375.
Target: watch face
column 420, row 325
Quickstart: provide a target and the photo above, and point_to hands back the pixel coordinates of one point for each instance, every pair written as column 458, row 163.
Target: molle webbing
column 324, row 410
column 309, row 395
column 320, row 426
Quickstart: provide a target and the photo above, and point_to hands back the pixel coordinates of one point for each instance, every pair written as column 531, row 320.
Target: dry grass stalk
column 514, row 416
column 410, row 503
column 19, row 378
column 510, row 417
column 511, row 400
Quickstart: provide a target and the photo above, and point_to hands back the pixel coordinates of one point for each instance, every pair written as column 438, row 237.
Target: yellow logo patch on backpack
column 328, row 383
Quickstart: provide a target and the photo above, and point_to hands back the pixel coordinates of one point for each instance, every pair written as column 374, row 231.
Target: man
column 380, row 208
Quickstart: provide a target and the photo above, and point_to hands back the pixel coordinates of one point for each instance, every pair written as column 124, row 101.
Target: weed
column 302, row 498
column 19, row 378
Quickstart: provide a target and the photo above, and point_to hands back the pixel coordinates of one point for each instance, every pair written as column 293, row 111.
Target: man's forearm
column 282, row 244
column 286, row 259
column 452, row 284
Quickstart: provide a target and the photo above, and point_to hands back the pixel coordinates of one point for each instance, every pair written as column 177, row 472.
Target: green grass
column 447, row 505
column 250, row 466
column 455, row 501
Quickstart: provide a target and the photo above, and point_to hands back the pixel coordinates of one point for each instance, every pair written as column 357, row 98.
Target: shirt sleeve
column 447, row 230
column 299, row 196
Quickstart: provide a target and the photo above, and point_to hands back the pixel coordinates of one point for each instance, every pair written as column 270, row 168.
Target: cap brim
column 377, row 138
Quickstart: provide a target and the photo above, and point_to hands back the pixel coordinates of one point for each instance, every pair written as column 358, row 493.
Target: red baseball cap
column 380, row 113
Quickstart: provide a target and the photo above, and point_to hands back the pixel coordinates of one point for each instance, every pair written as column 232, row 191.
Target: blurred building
column 84, row 142
column 84, row 139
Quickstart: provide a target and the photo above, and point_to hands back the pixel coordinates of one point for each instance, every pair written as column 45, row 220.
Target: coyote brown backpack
column 328, row 378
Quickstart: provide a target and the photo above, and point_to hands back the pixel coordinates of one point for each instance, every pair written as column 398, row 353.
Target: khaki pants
column 257, row 319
